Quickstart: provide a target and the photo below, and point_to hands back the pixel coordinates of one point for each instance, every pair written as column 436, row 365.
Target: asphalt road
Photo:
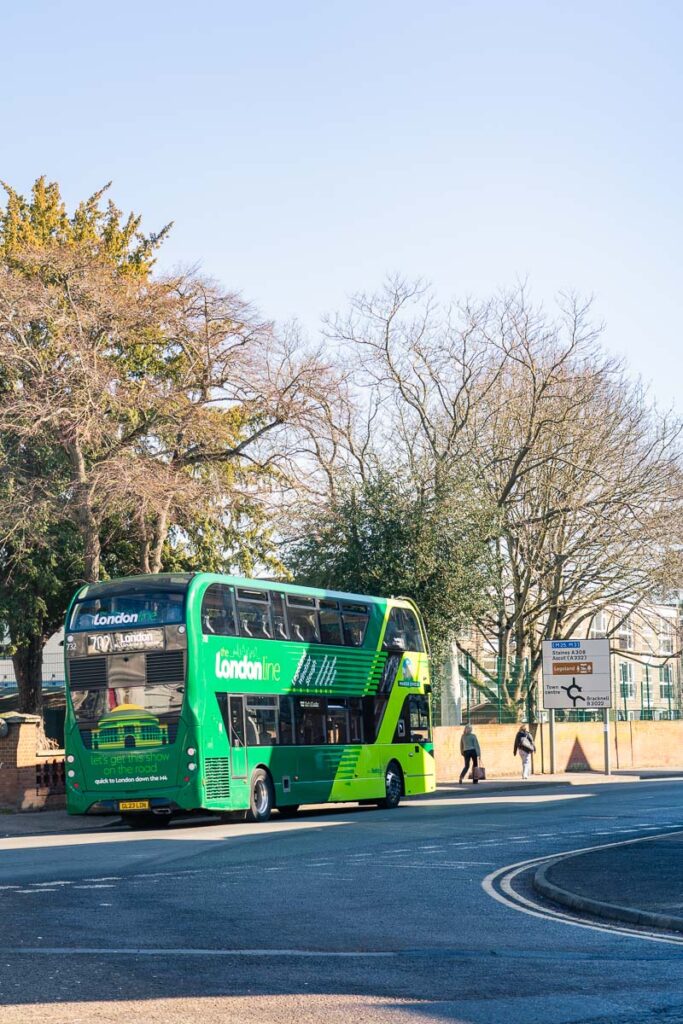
column 339, row 915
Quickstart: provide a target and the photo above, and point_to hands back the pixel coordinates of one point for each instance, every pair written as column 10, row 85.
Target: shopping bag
column 479, row 772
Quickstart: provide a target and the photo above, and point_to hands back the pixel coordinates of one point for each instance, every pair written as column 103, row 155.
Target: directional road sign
column 576, row 674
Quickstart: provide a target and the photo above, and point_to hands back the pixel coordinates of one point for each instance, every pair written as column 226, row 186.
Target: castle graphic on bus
column 129, row 727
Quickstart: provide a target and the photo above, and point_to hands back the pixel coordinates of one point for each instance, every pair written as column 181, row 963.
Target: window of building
column 626, row 635
column 599, row 626
column 666, row 681
column 647, row 686
column 666, row 637
column 217, row 614
column 355, row 622
column 626, row 684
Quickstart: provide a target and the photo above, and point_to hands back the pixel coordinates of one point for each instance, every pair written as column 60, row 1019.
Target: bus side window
column 420, row 730
column 303, row 626
column 355, row 621
column 262, row 715
column 394, row 636
column 389, row 673
column 355, row 720
column 286, row 722
column 412, row 631
column 277, row 607
column 217, row 611
column 369, row 729
column 254, row 619
column 310, row 720
column 337, row 722
column 402, row 733
column 330, row 623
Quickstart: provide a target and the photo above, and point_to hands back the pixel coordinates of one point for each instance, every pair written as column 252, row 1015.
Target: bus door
column 238, row 749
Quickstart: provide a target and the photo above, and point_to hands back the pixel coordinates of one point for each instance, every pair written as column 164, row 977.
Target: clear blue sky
column 305, row 149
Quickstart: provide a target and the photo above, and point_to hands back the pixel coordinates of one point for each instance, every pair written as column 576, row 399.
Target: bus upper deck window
column 355, row 622
column 217, row 612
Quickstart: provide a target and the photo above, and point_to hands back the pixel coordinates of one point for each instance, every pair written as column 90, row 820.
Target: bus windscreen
column 132, row 609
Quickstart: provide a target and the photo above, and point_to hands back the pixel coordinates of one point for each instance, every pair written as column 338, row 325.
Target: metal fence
column 53, row 672
column 505, row 691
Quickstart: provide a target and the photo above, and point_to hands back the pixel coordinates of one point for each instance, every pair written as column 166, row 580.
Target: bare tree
column 582, row 471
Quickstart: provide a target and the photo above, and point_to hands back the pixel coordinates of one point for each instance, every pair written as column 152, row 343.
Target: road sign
column 576, row 674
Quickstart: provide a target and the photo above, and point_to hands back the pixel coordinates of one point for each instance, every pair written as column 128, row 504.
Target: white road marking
column 162, row 952
column 513, row 900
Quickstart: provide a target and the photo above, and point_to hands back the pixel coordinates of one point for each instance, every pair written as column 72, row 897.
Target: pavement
column 616, row 882
column 637, row 882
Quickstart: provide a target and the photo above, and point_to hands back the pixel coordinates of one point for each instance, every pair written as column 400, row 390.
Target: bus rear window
column 116, row 610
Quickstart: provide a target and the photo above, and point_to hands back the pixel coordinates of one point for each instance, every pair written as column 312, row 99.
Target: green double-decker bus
column 191, row 692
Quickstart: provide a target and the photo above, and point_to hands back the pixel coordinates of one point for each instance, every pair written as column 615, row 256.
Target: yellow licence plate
column 133, row 805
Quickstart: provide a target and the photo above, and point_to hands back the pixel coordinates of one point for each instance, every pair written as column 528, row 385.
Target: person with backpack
column 525, row 747
column 470, row 750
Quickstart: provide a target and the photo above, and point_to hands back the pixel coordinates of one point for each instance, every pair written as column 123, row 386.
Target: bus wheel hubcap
column 393, row 785
column 260, row 797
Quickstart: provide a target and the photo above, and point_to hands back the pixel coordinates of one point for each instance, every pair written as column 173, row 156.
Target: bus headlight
column 71, row 774
column 70, row 758
column 192, row 767
column 191, row 751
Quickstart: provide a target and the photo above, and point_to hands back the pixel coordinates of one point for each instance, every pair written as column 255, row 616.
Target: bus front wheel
column 262, row 799
column 393, row 786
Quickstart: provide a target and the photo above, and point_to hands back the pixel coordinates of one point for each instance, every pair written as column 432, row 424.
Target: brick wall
column 22, row 768
column 578, row 746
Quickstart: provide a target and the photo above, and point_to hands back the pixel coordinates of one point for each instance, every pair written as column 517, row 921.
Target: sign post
column 576, row 676
column 551, row 729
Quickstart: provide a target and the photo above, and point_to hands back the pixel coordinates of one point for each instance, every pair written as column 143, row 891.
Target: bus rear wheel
column 393, row 786
column 262, row 797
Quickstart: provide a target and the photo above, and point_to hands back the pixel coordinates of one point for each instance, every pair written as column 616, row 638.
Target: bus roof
column 124, row 584
column 179, row 580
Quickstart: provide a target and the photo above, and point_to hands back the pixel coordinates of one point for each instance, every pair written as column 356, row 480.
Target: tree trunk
column 85, row 517
column 160, row 534
column 28, row 668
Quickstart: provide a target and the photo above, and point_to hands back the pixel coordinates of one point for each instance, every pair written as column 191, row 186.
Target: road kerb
column 599, row 908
